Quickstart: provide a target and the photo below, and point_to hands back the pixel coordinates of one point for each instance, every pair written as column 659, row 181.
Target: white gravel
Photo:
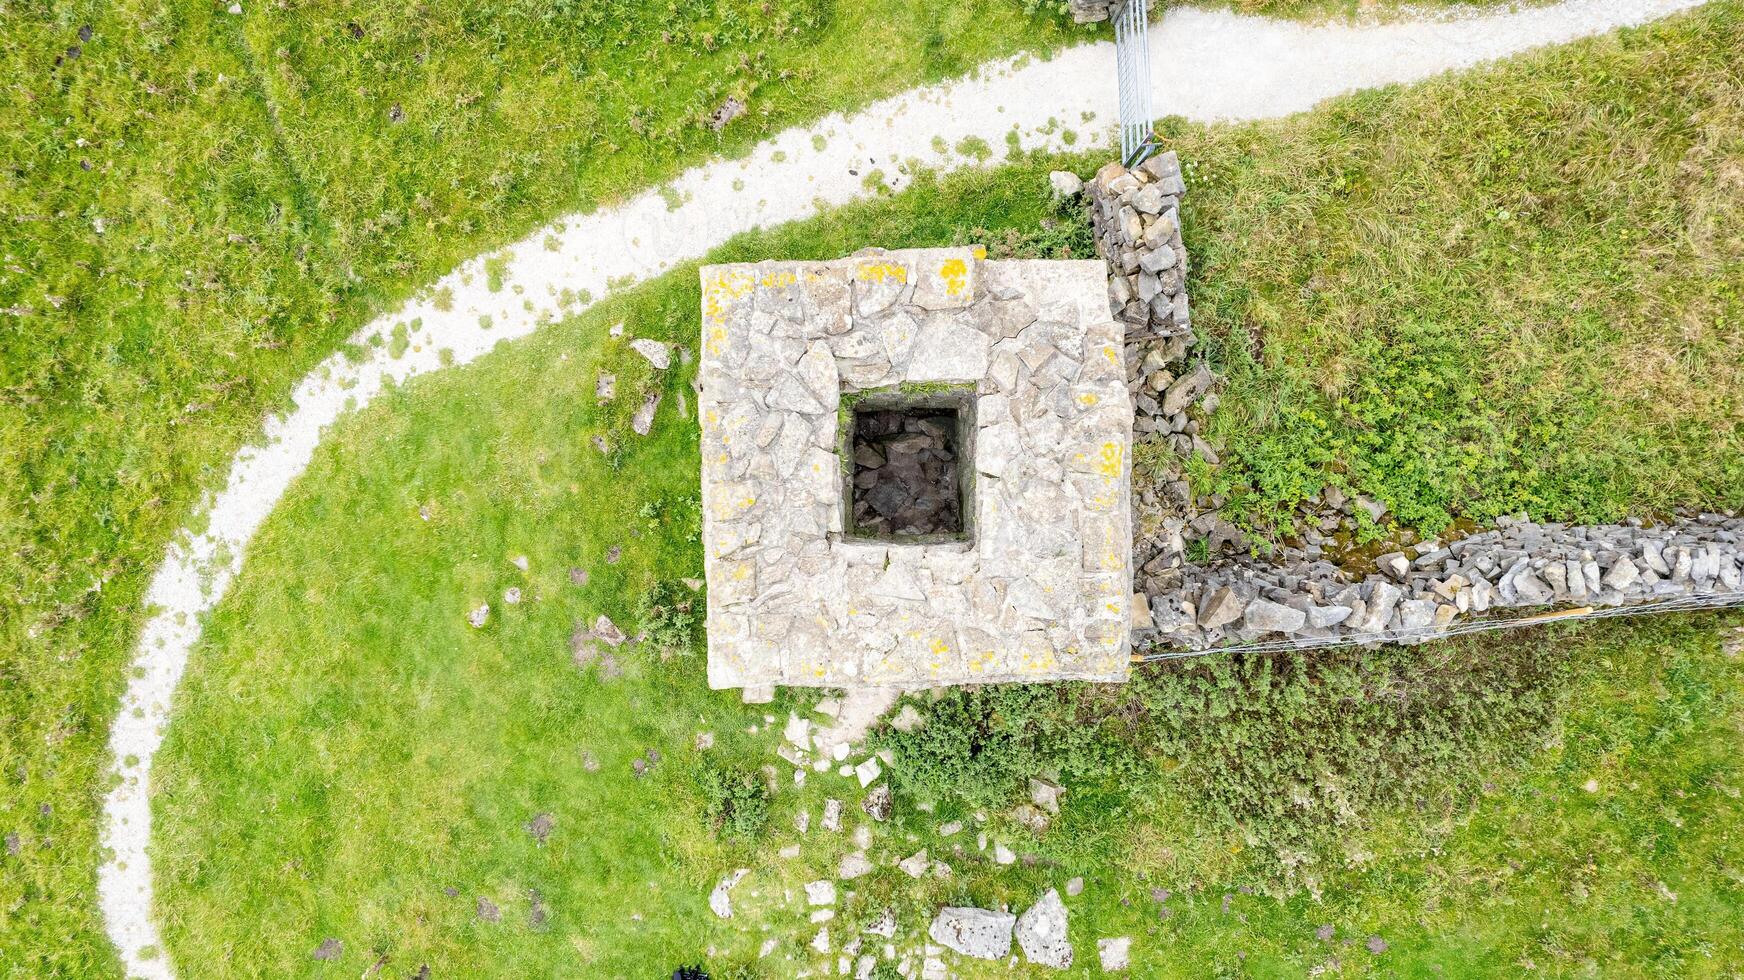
column 1209, row 65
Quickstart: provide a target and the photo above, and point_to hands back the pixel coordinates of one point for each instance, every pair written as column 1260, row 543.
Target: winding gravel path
column 1209, row 66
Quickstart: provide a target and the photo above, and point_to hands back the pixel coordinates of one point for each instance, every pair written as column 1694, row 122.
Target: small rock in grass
column 915, row 864
column 1376, row 945
column 1031, row 816
column 1065, row 184
column 639, row 767
column 908, row 719
column 478, row 617
column 718, row 900
column 821, row 892
column 643, row 421
column 729, row 110
column 328, row 950
column 613, row 554
column 951, row 829
column 863, row 837
column 1325, row 933
column 540, row 826
column 832, row 815
column 705, row 741
column 589, row 761
column 789, row 852
column 1115, row 954
column 656, row 352
column 854, row 864
column 617, row 330
column 884, row 925
column 607, row 631
column 797, row 732
column 520, row 562
column 868, row 771
column 600, row 443
column 1003, row 855
column 488, row 911
column 605, row 388
column 511, row 596
column 1075, row 887
column 1045, row 794
column 877, row 803
column 578, row 576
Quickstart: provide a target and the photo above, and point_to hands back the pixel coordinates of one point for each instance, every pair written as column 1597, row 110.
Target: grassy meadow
column 1513, row 289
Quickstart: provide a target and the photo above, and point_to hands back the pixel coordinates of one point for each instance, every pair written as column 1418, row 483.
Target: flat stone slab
column 1040, row 586
column 981, row 933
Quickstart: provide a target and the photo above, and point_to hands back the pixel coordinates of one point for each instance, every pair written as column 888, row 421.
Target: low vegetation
column 1510, row 290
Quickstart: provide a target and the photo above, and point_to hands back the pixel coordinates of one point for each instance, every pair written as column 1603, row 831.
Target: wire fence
column 1132, row 59
column 1683, row 603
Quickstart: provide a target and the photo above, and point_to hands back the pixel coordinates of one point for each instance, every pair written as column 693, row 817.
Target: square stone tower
column 915, row 471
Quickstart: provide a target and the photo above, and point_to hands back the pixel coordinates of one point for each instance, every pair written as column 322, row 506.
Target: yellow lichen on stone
column 1111, row 460
column 881, row 271
column 980, row 251
column 953, row 272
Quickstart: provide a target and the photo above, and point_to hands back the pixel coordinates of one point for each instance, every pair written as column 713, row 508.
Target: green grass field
column 199, row 207
column 347, row 748
column 1512, row 290
column 1557, row 328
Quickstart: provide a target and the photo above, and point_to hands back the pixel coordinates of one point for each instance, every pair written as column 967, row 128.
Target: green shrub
column 1292, row 749
column 735, row 802
column 1063, row 234
column 981, row 745
column 670, row 615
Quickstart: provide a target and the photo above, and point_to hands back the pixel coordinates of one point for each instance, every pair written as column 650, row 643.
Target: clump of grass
column 735, row 802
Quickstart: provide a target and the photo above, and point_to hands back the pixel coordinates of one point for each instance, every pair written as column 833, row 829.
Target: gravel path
column 1210, row 65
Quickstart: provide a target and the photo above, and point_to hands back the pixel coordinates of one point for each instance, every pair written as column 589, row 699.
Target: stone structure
column 1092, row 11
column 1432, row 587
column 1033, row 582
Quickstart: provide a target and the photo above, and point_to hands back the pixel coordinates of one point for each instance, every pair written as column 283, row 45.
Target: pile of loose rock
column 1135, row 216
column 905, row 473
column 1423, row 591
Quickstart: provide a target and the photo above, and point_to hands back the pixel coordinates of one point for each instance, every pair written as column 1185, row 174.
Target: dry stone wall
column 1092, row 11
column 1432, row 588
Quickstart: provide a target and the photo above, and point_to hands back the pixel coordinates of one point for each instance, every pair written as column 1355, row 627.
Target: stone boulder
column 1041, row 932
column 981, row 933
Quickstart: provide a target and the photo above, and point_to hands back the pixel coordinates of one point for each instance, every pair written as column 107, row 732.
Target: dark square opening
column 910, row 457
